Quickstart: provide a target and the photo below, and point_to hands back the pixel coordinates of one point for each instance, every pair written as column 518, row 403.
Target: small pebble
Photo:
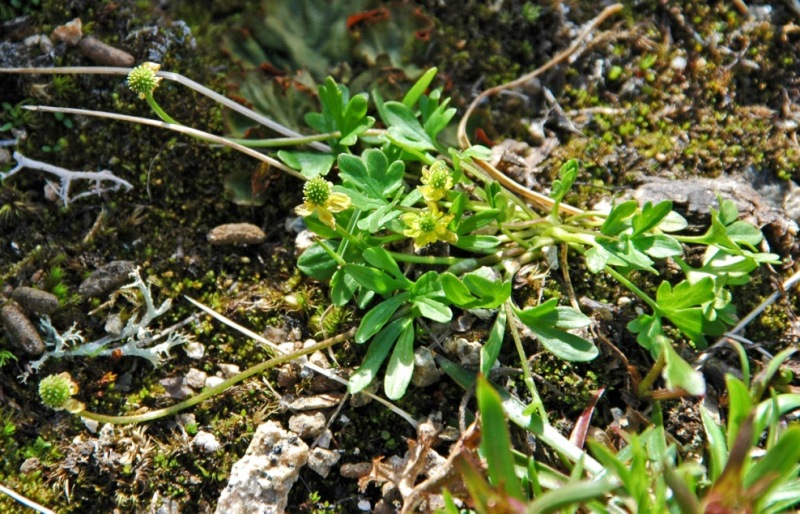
column 425, row 370
column 355, row 470
column 105, row 279
column 20, row 329
column 236, row 234
column 69, row 33
column 35, row 301
column 214, row 381
column 194, row 350
column 205, row 441
column 176, row 387
column 320, row 401
column 307, row 426
column 195, row 378
column 228, row 370
column 104, row 54
column 321, row 461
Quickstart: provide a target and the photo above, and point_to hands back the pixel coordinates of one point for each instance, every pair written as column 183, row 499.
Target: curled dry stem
column 535, row 198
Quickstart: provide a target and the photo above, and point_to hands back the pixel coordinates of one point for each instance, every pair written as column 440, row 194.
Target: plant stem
column 638, row 292
column 158, row 110
column 430, row 260
column 536, row 400
column 213, row 391
column 285, row 141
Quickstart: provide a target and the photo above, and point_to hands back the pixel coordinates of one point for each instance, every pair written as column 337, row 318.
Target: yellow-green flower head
column 56, row 392
column 437, row 181
column 142, row 79
column 320, row 198
column 428, row 227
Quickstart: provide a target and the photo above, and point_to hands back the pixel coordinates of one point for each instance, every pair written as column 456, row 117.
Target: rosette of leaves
column 362, row 42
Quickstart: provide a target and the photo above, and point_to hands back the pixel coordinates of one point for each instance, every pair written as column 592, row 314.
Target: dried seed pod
column 104, row 54
column 20, row 329
column 35, row 301
column 105, row 279
column 236, row 234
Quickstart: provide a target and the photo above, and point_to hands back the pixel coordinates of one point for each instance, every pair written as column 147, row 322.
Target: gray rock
column 20, row 329
column 321, row 461
column 228, row 370
column 468, row 352
column 35, row 301
column 425, row 370
column 176, row 387
column 236, row 234
column 195, row 378
column 105, row 279
column 307, row 426
column 261, row 480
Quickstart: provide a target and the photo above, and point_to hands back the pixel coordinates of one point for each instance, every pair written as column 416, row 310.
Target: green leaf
column 659, row 246
column 376, row 354
column 478, row 243
column 381, row 259
column 742, row 232
column 647, row 328
column 678, row 373
column 420, row 86
column 456, row 292
column 373, row 279
column 343, row 287
column 310, row 164
column 650, row 216
column 401, row 363
column 405, row 129
column 619, row 218
column 673, row 222
column 491, row 293
column 567, row 318
column 317, row 263
column 570, row 495
column 433, row 309
column 565, row 345
column 491, row 349
column 567, row 175
column 779, row 464
column 728, row 212
column 377, row 317
column 477, row 221
column 371, row 174
column 496, row 440
column 716, row 444
column 739, row 407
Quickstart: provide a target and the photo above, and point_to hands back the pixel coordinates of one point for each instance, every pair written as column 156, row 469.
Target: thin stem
column 627, row 283
column 158, row 110
column 198, row 134
column 430, row 260
column 175, row 77
column 536, row 400
column 647, row 382
column 213, row 391
column 284, row 141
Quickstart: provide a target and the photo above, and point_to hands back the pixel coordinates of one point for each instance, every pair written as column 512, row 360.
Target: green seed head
column 142, row 79
column 56, row 390
column 317, row 191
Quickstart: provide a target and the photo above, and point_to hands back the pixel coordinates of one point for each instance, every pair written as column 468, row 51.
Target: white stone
column 214, row 381
column 194, row 350
column 307, row 426
column 322, row 461
column 228, row 370
column 261, row 480
column 195, row 378
column 206, row 442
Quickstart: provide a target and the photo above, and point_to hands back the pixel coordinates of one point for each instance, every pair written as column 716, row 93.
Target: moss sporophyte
column 320, row 198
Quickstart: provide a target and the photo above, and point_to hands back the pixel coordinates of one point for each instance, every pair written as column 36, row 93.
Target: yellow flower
column 320, row 198
column 437, row 181
column 428, row 227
